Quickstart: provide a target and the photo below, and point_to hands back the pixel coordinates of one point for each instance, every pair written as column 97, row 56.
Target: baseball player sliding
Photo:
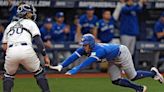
column 17, row 42
column 119, row 58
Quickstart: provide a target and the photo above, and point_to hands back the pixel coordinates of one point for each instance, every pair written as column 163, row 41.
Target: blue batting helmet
column 88, row 39
column 23, row 9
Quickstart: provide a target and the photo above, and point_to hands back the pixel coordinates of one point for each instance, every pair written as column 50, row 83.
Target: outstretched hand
column 47, row 61
column 59, row 67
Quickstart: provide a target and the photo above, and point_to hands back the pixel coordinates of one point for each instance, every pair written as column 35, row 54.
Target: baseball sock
column 42, row 81
column 8, row 84
column 143, row 74
column 127, row 83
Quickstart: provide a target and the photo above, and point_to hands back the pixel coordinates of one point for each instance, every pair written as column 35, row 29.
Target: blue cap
column 162, row 15
column 90, row 8
column 59, row 14
column 48, row 20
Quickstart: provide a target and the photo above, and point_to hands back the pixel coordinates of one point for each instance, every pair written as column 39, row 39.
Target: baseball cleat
column 144, row 89
column 158, row 76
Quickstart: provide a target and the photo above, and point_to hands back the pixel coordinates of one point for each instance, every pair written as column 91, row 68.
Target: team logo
column 93, row 53
column 82, row 39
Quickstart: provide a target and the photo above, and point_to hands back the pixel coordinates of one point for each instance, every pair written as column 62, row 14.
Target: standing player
column 119, row 58
column 129, row 27
column 18, row 46
column 159, row 29
column 87, row 23
column 59, row 27
column 105, row 27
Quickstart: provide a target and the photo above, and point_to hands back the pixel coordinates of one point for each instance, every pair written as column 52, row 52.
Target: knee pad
column 8, row 76
column 39, row 73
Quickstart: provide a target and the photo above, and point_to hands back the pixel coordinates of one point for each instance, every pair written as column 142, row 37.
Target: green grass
column 81, row 85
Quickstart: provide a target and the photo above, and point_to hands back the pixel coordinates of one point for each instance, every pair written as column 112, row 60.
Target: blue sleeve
column 81, row 20
column 77, row 54
column 95, row 56
column 87, row 62
column 127, row 9
column 157, row 28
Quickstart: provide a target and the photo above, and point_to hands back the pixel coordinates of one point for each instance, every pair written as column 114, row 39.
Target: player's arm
column 137, row 8
column 34, row 30
column 40, row 45
column 87, row 62
column 5, row 39
column 78, row 33
column 4, row 46
column 77, row 54
column 78, row 30
column 160, row 34
column 158, row 31
column 117, row 10
column 95, row 56
column 94, row 30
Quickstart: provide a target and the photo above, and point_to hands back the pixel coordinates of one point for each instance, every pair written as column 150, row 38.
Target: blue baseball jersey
column 13, row 12
column 46, row 35
column 87, row 24
column 105, row 30
column 159, row 27
column 100, row 51
column 129, row 20
column 58, row 32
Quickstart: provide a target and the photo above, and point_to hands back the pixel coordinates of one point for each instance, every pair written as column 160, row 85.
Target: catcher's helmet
column 23, row 9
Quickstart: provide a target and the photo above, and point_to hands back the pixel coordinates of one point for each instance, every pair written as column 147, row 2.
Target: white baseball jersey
column 20, row 31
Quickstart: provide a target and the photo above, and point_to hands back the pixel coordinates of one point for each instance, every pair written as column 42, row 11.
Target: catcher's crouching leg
column 8, row 83
column 42, row 80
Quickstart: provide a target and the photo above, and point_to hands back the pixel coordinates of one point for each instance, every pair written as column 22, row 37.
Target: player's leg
column 116, row 78
column 42, row 80
column 8, row 82
column 132, row 44
column 128, row 66
column 32, row 64
column 126, row 40
column 10, row 70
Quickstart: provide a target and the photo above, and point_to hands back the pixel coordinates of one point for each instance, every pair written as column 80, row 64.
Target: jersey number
column 16, row 30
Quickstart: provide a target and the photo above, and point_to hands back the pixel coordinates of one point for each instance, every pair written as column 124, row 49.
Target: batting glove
column 59, row 67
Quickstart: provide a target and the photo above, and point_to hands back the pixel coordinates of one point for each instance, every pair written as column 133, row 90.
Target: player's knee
column 39, row 73
column 116, row 82
column 133, row 79
column 8, row 76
